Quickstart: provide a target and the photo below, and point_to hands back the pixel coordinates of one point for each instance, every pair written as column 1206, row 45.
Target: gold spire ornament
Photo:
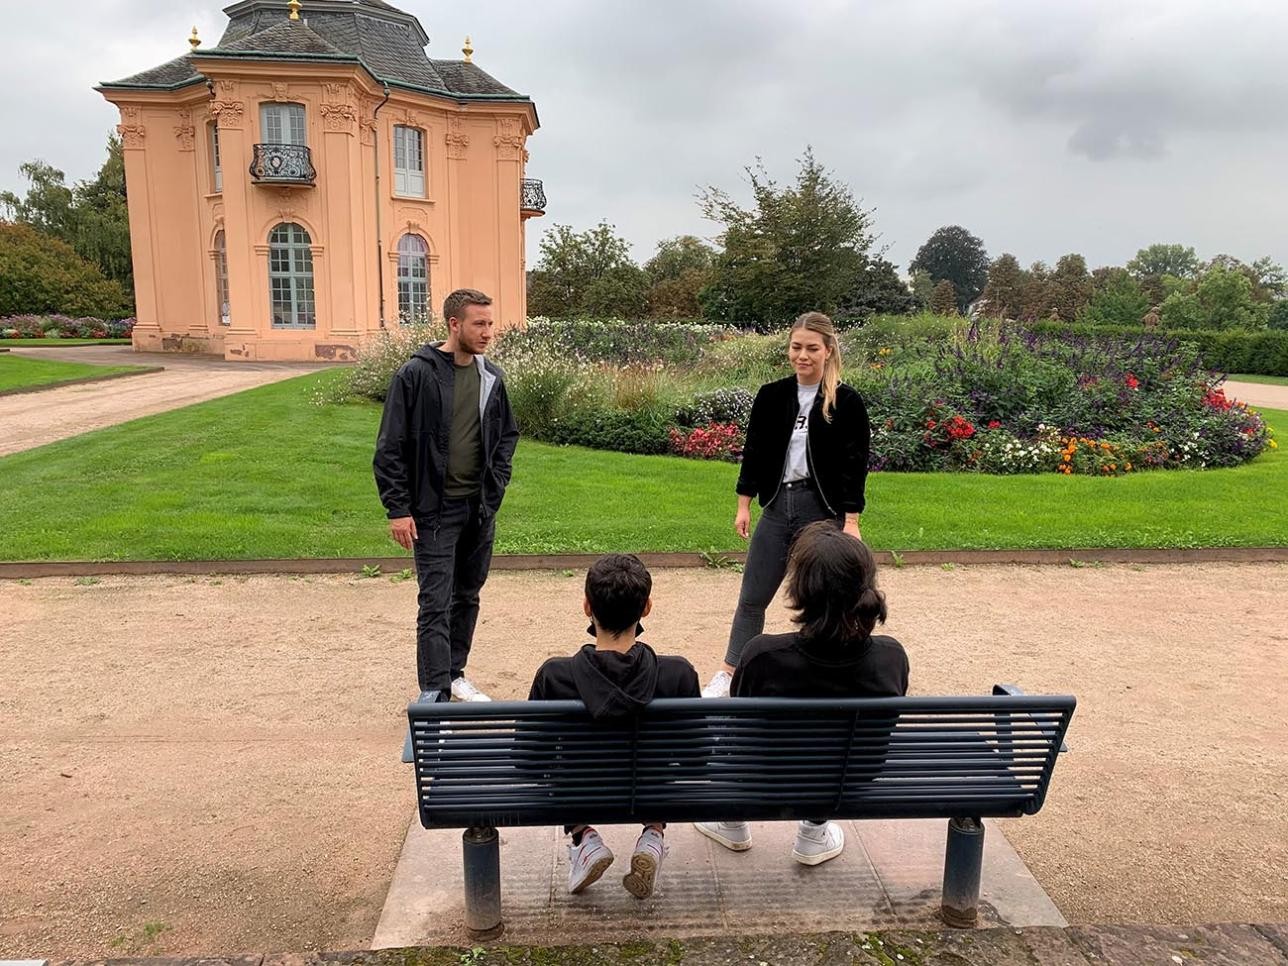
column 295, row 8
column 194, row 41
column 468, row 50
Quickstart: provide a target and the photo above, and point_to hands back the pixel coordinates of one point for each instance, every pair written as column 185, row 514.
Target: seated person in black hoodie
column 832, row 586
column 615, row 677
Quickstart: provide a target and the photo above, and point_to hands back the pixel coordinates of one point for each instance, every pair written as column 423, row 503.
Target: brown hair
column 820, row 323
column 832, row 585
column 455, row 303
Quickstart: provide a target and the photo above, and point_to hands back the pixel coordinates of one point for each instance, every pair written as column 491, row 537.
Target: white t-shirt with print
column 797, row 462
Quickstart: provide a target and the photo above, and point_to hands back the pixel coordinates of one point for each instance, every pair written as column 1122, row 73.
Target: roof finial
column 194, row 41
column 468, row 50
column 295, row 8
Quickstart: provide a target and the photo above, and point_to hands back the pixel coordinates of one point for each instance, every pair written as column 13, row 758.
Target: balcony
column 533, row 204
column 282, row 164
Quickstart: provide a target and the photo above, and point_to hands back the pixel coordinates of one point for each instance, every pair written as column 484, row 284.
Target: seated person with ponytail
column 832, row 587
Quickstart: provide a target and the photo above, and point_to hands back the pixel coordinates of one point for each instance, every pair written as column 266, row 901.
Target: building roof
column 389, row 43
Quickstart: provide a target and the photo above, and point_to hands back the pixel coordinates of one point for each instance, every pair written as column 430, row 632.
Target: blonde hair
column 821, row 324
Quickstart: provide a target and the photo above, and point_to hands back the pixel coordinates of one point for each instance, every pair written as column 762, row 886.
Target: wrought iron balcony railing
column 534, row 198
column 282, row 164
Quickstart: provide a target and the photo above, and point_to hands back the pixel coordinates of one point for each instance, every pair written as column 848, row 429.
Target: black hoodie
column 613, row 685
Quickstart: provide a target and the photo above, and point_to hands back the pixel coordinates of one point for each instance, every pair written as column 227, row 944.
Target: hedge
column 1222, row 350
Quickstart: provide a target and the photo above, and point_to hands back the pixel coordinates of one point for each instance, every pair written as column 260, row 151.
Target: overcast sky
column 1043, row 127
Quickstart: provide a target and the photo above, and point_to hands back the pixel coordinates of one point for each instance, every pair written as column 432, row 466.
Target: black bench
column 524, row 763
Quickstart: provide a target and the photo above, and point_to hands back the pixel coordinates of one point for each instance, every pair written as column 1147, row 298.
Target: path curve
column 1258, row 394
column 34, row 419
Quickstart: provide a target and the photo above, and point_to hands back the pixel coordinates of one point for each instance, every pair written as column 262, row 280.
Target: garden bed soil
column 210, row 764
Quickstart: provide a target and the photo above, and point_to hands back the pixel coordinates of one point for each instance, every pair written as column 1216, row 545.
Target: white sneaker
column 735, row 836
column 646, row 862
column 718, row 686
column 818, row 843
column 463, row 689
column 588, row 861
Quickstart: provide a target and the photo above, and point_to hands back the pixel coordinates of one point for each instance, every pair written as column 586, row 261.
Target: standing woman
column 806, row 459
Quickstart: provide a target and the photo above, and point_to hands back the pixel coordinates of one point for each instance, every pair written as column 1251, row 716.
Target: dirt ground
column 33, row 419
column 211, row 764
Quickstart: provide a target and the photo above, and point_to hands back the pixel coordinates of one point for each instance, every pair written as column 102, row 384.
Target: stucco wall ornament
column 509, row 142
column 131, row 127
column 184, row 131
column 338, row 112
column 457, row 140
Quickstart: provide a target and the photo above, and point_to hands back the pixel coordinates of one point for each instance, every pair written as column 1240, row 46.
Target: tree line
column 811, row 243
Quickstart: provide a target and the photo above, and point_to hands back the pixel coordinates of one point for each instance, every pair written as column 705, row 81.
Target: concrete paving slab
column 889, row 876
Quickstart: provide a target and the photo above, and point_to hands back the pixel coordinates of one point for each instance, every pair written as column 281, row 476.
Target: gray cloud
column 1045, row 128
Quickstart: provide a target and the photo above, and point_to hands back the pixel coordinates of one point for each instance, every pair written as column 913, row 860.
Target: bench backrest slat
column 532, row 763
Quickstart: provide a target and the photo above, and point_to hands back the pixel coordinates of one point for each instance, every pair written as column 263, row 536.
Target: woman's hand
column 742, row 521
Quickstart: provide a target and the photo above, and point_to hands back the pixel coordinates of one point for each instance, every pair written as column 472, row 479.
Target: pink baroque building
column 314, row 177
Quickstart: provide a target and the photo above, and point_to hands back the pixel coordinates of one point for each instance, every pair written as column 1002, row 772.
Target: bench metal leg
column 963, row 863
column 481, row 848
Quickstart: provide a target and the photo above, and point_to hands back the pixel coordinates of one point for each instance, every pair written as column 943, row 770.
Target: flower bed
column 981, row 397
column 63, row 327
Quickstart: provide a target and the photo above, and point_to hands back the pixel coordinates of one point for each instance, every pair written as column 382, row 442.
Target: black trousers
column 453, row 553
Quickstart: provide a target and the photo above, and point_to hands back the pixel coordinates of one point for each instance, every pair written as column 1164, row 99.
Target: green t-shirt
column 463, row 445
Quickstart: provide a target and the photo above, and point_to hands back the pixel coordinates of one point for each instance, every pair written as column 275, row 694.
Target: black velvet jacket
column 837, row 450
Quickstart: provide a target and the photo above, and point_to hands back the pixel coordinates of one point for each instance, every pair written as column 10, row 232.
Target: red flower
column 1131, row 381
column 931, row 424
column 994, row 424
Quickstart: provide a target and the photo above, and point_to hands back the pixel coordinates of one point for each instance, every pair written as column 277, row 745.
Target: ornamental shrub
column 40, row 274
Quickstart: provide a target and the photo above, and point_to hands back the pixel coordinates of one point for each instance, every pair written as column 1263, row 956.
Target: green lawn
column 24, row 372
column 1264, row 380
column 28, row 343
column 267, row 474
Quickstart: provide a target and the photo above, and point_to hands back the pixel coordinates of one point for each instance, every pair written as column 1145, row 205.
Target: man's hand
column 742, row 522
column 852, row 526
column 403, row 532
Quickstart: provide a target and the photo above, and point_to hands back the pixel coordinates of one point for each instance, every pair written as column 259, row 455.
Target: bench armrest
column 1015, row 689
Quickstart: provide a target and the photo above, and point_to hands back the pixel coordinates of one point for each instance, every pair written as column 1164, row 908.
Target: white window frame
column 221, row 277
column 413, row 278
column 283, row 123
column 291, row 293
column 409, row 161
column 217, row 180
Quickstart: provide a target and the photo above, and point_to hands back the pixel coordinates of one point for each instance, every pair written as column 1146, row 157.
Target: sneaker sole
column 729, row 844
column 593, row 874
column 639, row 881
column 818, row 858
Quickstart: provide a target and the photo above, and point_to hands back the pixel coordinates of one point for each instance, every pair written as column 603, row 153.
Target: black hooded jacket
column 411, row 451
column 613, row 685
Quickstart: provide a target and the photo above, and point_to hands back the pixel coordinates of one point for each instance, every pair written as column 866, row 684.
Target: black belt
column 805, row 484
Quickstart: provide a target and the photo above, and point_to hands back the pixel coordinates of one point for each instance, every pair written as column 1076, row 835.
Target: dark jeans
column 453, row 554
column 789, row 513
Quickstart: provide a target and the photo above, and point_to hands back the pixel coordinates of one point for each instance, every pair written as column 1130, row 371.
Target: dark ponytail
column 832, row 586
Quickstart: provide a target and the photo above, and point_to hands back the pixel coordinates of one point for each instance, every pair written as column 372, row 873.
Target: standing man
column 442, row 463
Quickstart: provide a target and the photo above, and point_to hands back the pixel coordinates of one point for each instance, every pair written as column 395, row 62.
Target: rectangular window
column 409, row 161
column 214, row 157
column 282, row 124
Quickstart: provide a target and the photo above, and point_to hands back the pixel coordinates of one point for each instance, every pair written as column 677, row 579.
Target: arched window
column 290, row 277
column 221, row 277
column 413, row 279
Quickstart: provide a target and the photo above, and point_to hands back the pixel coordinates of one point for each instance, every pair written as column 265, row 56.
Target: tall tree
column 678, row 271
column 1158, row 260
column 944, row 301
column 955, row 254
column 1070, row 286
column 1037, row 300
column 91, row 216
column 800, row 246
column 923, row 288
column 1005, row 289
column 587, row 273
column 1221, row 298
column 878, row 291
column 1117, row 299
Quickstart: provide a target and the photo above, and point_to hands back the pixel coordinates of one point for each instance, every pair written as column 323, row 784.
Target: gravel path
column 1257, row 394
column 34, row 419
column 211, row 764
